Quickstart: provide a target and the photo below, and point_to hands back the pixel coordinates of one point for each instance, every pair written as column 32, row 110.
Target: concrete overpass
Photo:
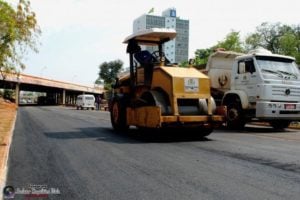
column 61, row 92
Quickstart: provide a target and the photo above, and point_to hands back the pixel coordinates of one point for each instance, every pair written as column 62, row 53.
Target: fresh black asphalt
column 78, row 153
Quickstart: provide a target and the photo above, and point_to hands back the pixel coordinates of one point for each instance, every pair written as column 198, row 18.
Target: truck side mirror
column 242, row 68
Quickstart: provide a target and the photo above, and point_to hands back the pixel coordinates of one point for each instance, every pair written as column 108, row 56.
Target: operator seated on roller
column 146, row 60
column 144, row 57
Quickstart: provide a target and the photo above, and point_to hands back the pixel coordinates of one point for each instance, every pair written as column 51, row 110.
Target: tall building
column 176, row 50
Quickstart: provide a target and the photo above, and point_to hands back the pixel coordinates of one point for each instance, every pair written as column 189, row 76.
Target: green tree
column 278, row 38
column 253, row 41
column 232, row 42
column 98, row 81
column 9, row 94
column 108, row 72
column 297, row 45
column 18, row 32
column 267, row 35
column 184, row 64
column 201, row 57
column 287, row 44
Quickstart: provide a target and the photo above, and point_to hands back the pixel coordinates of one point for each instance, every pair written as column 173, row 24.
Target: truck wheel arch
column 236, row 95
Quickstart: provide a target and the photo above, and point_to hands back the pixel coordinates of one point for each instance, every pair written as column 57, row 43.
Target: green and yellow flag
column 151, row 11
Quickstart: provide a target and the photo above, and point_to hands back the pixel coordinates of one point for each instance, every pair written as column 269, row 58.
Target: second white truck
column 257, row 86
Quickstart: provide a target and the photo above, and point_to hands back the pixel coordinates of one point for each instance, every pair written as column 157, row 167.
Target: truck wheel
column 118, row 116
column 280, row 125
column 235, row 118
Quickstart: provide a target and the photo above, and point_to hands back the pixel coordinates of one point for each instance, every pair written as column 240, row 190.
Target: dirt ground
column 8, row 112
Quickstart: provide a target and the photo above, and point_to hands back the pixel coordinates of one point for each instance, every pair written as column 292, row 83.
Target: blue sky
column 78, row 35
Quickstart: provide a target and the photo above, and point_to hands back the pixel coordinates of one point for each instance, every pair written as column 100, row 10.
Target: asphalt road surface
column 77, row 154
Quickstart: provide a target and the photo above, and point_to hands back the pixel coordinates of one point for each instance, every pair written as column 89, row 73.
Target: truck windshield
column 272, row 67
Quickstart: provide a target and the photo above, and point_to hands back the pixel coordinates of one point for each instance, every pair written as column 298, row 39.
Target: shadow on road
column 131, row 136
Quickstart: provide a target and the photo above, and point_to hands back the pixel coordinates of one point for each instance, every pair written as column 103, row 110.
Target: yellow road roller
column 156, row 94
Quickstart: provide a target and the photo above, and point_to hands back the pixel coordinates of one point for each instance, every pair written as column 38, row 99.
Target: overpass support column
column 64, row 97
column 17, row 93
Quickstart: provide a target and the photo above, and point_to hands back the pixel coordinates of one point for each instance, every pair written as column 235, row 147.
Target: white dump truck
column 258, row 86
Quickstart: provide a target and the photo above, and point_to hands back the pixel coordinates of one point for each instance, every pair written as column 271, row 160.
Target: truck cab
column 263, row 87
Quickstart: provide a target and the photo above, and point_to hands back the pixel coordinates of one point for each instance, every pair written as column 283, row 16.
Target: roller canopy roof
column 152, row 36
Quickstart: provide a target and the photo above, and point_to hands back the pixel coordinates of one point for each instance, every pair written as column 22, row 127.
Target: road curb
column 3, row 167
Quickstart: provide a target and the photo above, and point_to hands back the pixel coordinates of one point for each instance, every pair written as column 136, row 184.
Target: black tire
column 279, row 125
column 118, row 116
column 235, row 119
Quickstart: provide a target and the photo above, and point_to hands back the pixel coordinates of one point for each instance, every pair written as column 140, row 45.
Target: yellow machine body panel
column 183, row 82
column 148, row 116
column 151, row 117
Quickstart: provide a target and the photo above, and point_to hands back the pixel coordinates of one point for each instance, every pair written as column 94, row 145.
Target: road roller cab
column 156, row 93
